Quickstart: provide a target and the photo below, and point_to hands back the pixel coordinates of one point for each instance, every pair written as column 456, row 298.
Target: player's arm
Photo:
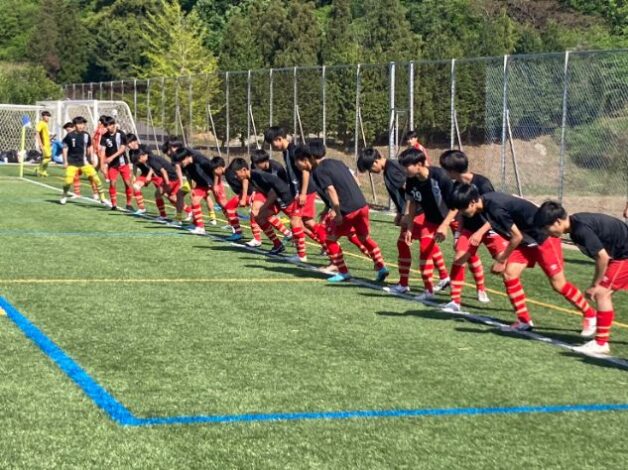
column 478, row 235
column 407, row 221
column 332, row 194
column 38, row 141
column 305, row 181
column 116, row 154
column 441, row 232
column 516, row 237
column 64, row 153
column 244, row 194
column 601, row 264
column 179, row 171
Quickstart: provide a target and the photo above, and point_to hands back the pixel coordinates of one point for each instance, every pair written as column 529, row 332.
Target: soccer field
column 132, row 344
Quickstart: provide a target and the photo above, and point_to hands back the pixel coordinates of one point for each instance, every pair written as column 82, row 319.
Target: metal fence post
column 163, row 104
column 270, row 97
column 411, row 96
column 563, row 129
column 295, row 101
column 100, row 91
column 227, row 127
column 135, row 100
column 324, row 100
column 452, row 112
column 391, row 104
column 111, row 91
column 356, row 135
column 248, row 112
column 504, row 112
column 122, row 90
column 190, row 108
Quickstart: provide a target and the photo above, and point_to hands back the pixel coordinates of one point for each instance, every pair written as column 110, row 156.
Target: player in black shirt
column 471, row 231
column 513, row 218
column 605, row 239
column 113, row 153
column 161, row 173
column 430, row 187
column 260, row 160
column 77, row 156
column 395, row 180
column 349, row 211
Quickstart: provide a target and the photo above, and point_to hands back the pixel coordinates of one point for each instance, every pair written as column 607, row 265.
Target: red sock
column 517, row 297
column 374, row 252
column 426, row 262
column 278, row 224
column 353, row 238
column 113, row 195
column 335, row 255
column 234, row 221
column 439, row 262
column 161, row 206
column 139, row 198
column 129, row 193
column 457, row 282
column 299, row 236
column 321, row 233
column 197, row 213
column 477, row 270
column 573, row 295
column 270, row 233
column 255, row 229
column 604, row 322
column 404, row 260
column 77, row 185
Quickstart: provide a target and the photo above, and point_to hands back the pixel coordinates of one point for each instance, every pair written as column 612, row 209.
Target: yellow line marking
column 265, row 280
column 416, row 271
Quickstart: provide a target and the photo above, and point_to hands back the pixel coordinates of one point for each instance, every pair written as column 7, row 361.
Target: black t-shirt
column 77, row 144
column 158, row 163
column 111, row 143
column 432, row 194
column 334, row 173
column 266, row 182
column 484, row 186
column 395, row 180
column 275, row 168
column 294, row 175
column 503, row 210
column 594, row 232
column 235, row 183
column 144, row 169
column 200, row 170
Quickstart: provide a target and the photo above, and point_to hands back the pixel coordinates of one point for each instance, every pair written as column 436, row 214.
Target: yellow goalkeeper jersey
column 44, row 135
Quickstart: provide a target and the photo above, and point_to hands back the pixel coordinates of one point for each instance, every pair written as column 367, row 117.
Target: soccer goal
column 17, row 131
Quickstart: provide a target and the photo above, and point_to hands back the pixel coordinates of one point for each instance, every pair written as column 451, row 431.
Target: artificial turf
column 172, row 324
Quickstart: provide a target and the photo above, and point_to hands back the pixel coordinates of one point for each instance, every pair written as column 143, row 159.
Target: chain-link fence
column 543, row 126
column 13, row 130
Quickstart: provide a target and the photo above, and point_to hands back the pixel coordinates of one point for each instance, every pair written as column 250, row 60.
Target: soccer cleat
column 425, row 296
column 63, row 200
column 228, row 227
column 522, row 326
column 236, row 237
column 161, row 219
column 96, row 197
column 287, row 238
column 442, row 284
column 188, row 217
column 323, row 251
column 44, row 174
column 277, row 250
column 213, row 222
column 382, row 274
column 105, row 202
column 114, row 208
column 452, row 307
column 397, row 289
column 329, row 269
column 130, row 208
column 298, row 259
column 75, row 196
column 483, row 297
column 594, row 348
column 340, row 277
column 254, row 243
column 140, row 212
column 198, row 231
column 589, row 327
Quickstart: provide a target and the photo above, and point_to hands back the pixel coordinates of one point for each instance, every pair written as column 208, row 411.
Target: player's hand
column 498, row 267
column 407, row 237
column 441, row 234
column 65, row 165
column 242, row 202
column 593, row 291
column 302, row 199
column 475, row 239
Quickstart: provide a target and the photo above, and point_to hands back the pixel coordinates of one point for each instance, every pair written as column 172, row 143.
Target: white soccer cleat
column 198, row 231
column 442, row 284
column 228, row 227
column 140, row 212
column 253, row 243
column 589, row 327
column 188, row 217
column 329, row 269
column 452, row 307
column 96, row 197
column 522, row 326
column 425, row 296
column 593, row 348
column 298, row 259
column 105, row 202
column 483, row 297
column 63, row 200
column 397, row 289
column 75, row 196
column 213, row 222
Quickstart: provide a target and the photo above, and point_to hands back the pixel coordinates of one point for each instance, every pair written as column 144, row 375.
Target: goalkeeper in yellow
column 42, row 137
column 78, row 154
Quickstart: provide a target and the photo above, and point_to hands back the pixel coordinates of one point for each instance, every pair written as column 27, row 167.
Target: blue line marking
column 121, row 415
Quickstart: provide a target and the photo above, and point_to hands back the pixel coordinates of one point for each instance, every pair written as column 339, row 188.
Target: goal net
column 14, row 120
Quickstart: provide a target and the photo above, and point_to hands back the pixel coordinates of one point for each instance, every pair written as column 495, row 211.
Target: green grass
column 297, row 344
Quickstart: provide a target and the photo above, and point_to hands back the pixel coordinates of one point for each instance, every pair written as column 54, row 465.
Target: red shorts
column 494, row 242
column 356, row 222
column 616, row 275
column 219, row 191
column 308, row 211
column 549, row 256
column 201, row 191
column 427, row 229
column 124, row 171
column 175, row 187
column 233, row 203
column 258, row 197
column 417, row 224
column 291, row 210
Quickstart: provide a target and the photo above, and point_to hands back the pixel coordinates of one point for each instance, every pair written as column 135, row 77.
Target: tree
column 17, row 18
column 26, row 84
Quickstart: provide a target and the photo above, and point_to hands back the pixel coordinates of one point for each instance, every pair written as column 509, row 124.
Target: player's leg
column 211, row 212
column 361, row 223
column 231, row 210
column 198, row 194
column 516, row 295
column 334, row 251
column 70, row 174
column 298, row 232
column 77, row 184
column 139, row 197
column 90, row 172
column 464, row 252
column 263, row 217
column 125, row 173
column 112, row 176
